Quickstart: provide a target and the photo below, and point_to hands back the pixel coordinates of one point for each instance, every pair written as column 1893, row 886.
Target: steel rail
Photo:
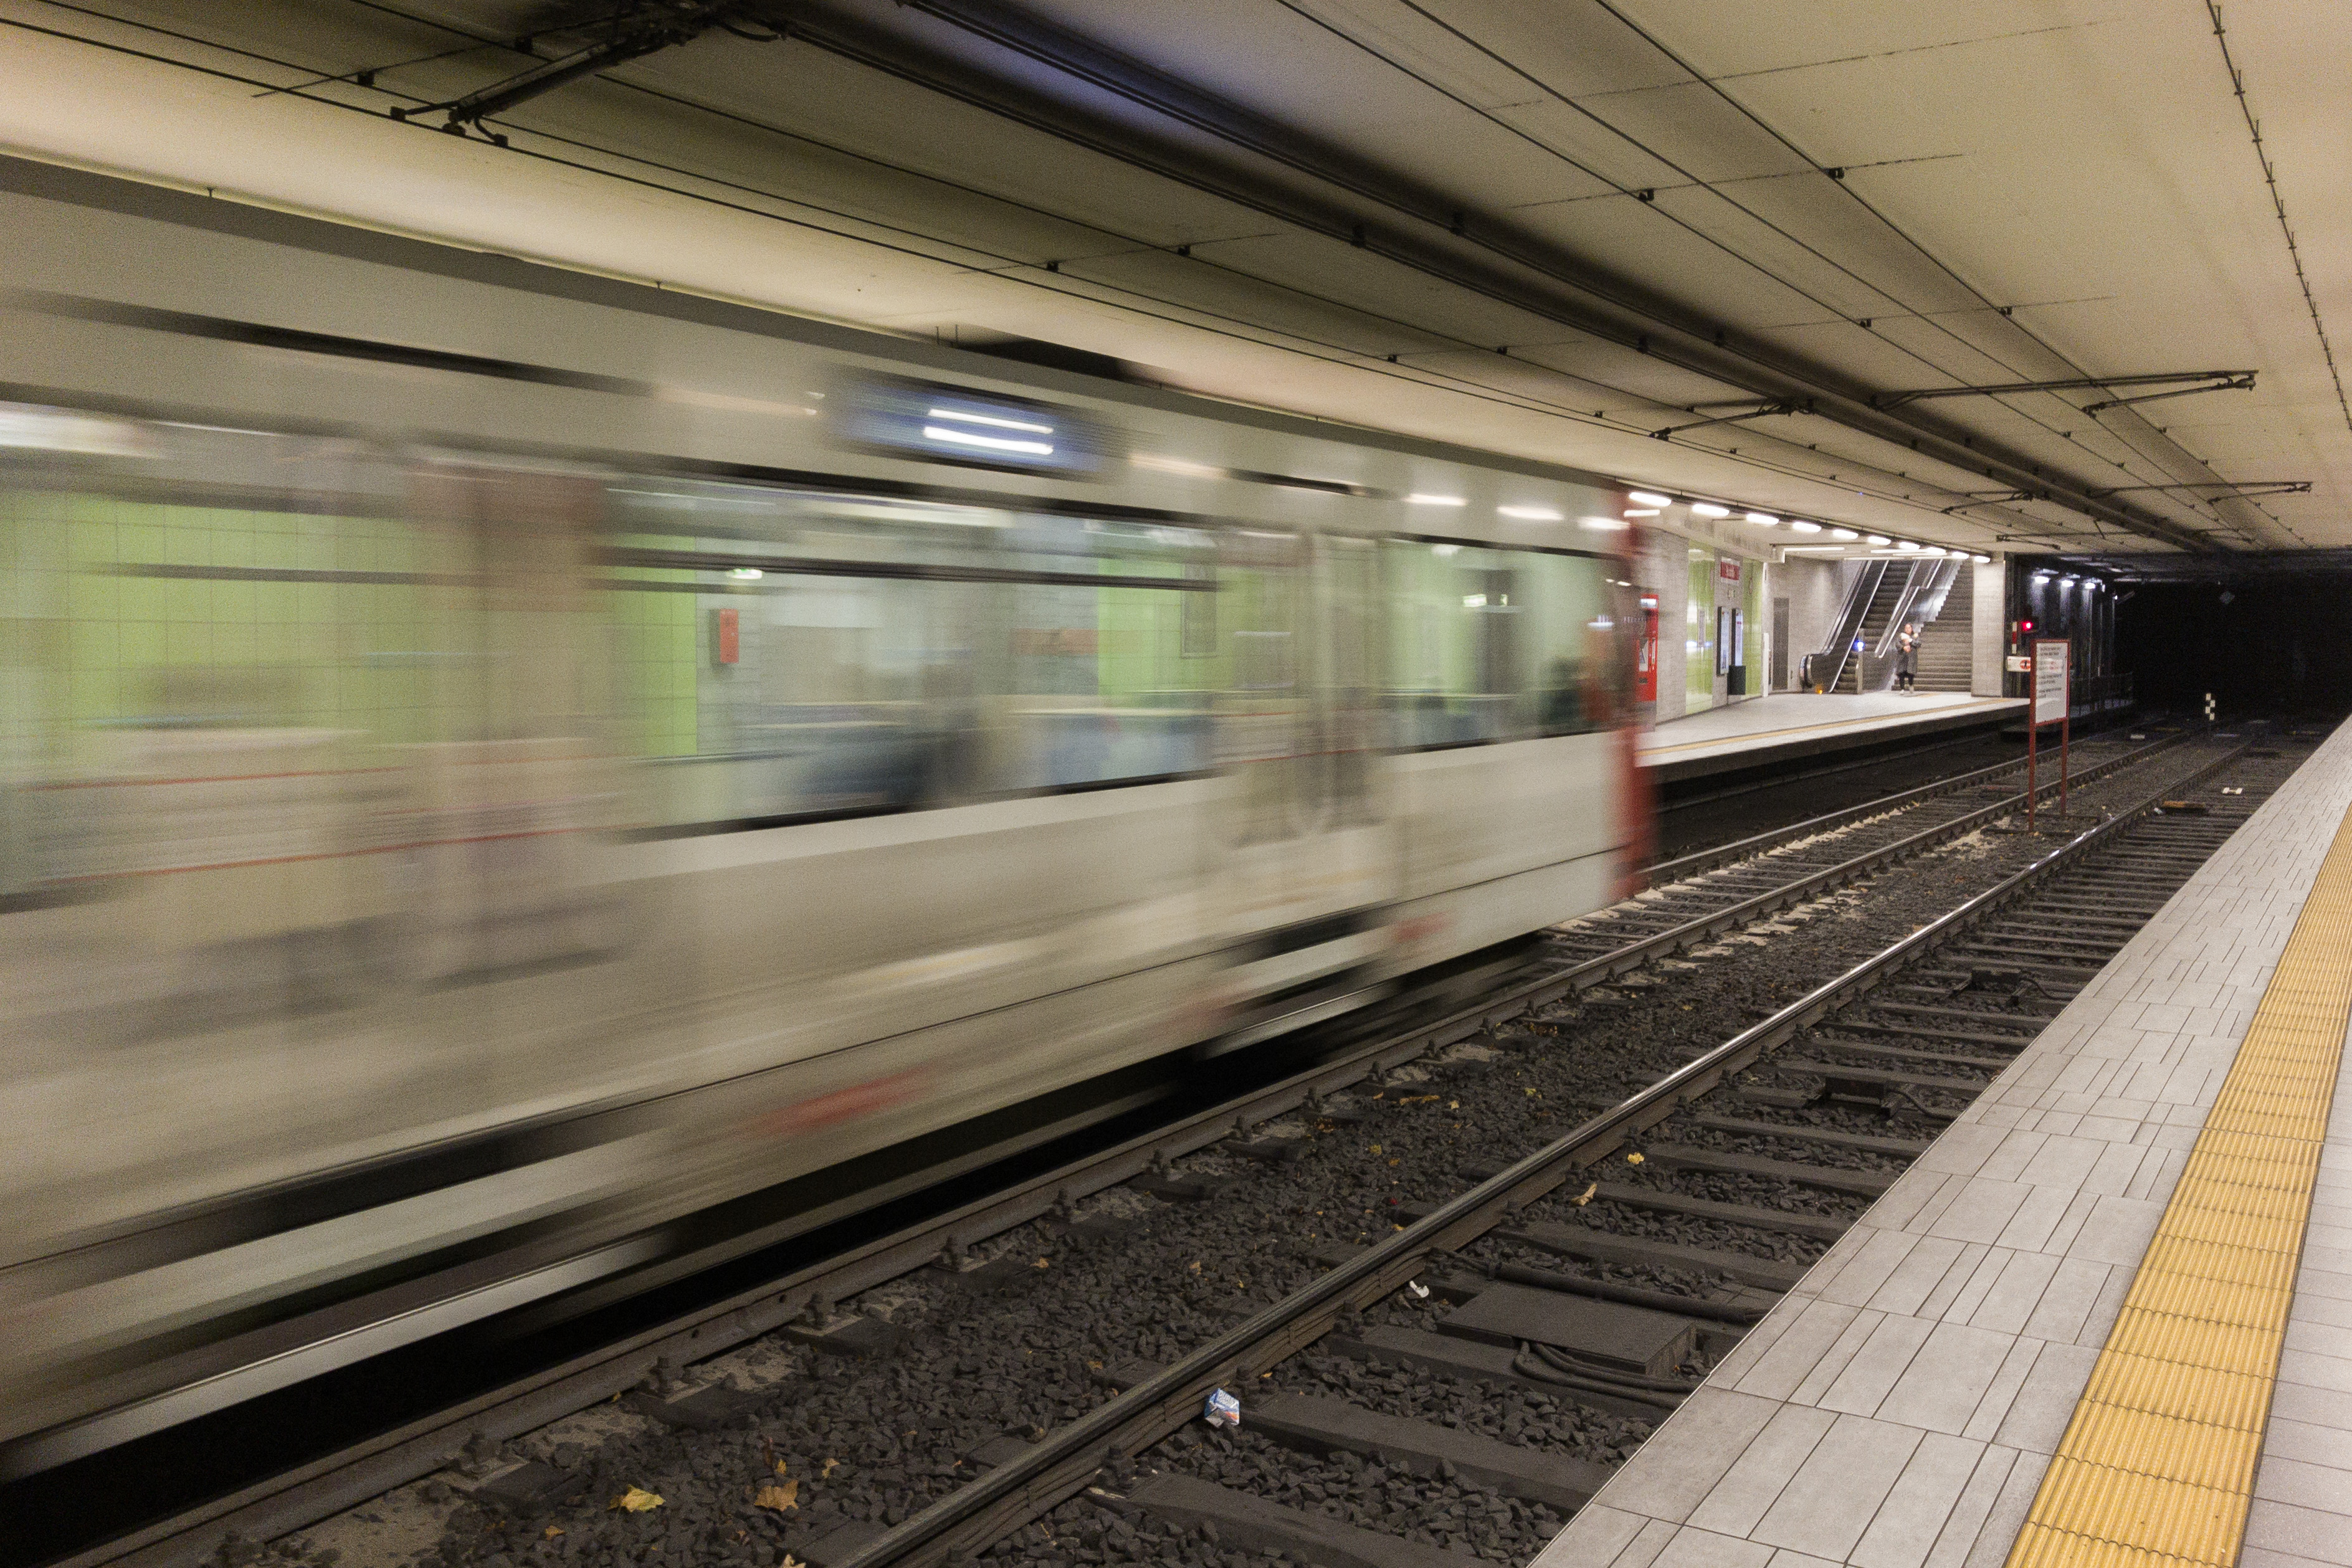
column 1699, row 860
column 1068, row 1462
column 1714, row 923
column 365, row 1470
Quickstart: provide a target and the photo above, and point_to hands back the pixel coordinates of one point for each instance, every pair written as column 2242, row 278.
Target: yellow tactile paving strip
column 2158, row 1466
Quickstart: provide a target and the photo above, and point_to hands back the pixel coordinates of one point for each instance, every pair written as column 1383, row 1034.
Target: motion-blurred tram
column 495, row 762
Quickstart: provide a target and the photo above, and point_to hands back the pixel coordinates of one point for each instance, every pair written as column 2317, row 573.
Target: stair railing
column 1828, row 664
column 1922, row 599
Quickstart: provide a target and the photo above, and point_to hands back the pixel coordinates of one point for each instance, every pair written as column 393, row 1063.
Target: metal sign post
column 2049, row 704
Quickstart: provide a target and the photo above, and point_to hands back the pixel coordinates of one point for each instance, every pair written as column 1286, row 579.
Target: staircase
column 1874, row 627
column 1946, row 643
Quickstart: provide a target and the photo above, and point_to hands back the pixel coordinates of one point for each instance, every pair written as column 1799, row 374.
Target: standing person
column 1907, row 656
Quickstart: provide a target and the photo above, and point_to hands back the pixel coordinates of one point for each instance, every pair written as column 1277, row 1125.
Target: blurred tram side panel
column 430, row 867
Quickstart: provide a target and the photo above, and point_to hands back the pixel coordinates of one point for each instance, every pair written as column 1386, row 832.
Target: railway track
column 1785, row 1132
column 471, row 1444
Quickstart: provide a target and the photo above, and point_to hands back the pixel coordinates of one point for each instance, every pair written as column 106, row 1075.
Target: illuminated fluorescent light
column 1474, row 601
column 1651, row 498
column 988, row 443
column 1605, row 525
column 746, row 573
column 1176, row 465
column 1981, row 560
column 1904, row 544
column 1764, row 519
column 1529, row 514
column 989, row 420
column 1641, row 511
column 1435, row 501
column 1933, row 549
column 1710, row 509
column 1876, row 539
column 1443, row 551
column 1806, row 528
column 1843, row 534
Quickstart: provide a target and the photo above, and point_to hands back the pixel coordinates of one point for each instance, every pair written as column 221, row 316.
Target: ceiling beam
column 1345, row 197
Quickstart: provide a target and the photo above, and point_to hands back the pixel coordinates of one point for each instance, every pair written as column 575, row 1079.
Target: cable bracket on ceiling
column 2076, row 383
column 1750, row 410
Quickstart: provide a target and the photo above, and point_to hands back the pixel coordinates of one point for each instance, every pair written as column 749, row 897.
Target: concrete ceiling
column 1544, row 229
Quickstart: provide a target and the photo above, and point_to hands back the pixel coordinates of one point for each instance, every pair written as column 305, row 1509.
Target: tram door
column 1310, row 858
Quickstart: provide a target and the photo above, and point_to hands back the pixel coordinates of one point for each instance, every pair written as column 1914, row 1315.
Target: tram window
column 1198, row 637
column 1493, row 644
column 1455, row 653
column 1577, row 640
column 891, row 656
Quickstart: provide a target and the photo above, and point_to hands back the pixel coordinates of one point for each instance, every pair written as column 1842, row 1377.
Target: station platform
column 1793, row 725
column 2107, row 1319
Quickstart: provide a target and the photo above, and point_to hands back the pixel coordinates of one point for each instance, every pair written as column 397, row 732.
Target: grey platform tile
column 1998, row 1532
column 1963, row 1302
column 1953, row 1289
column 1704, row 1549
column 1808, row 1337
column 2333, row 1373
column 2322, row 1329
column 1984, row 1488
column 2010, row 1157
column 2016, row 1292
column 1992, row 1408
column 1751, row 1348
column 2312, row 1286
column 2037, row 1219
column 2065, row 1306
column 2103, row 1312
column 2114, row 1129
column 2328, row 1260
column 2298, row 1531
column 1644, row 1549
column 1933, row 1209
column 1867, row 1269
column 1876, row 1368
column 1940, row 1390
column 1638, row 1553
column 1980, row 1211
column 2061, row 1162
column 2160, row 1173
column 1685, row 1457
column 2327, row 1233
column 2320, row 1487
column 2119, row 1230
column 1916, row 1277
column 2038, row 1415
column 1906, row 1527
column 1835, row 1361
column 1750, row 1489
column 1961, row 1148
column 1831, row 1263
column 1835, row 1494
column 1787, row 1559
column 1912, row 1191
column 1593, row 1539
column 2255, row 1557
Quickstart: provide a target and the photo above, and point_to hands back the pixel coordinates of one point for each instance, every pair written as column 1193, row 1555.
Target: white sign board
column 2051, row 669
column 2017, row 663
